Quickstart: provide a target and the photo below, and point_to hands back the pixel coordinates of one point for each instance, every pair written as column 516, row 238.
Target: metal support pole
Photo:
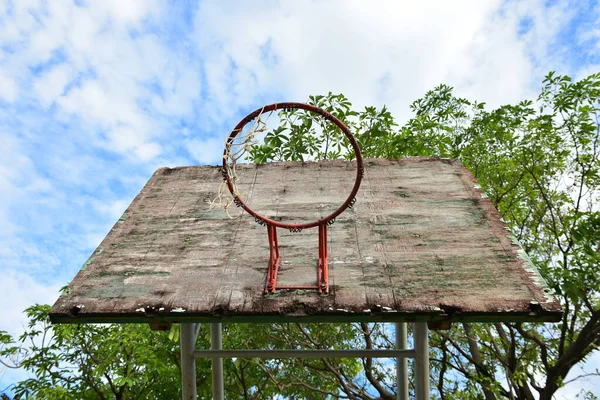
column 216, row 343
column 401, row 363
column 421, row 340
column 188, row 334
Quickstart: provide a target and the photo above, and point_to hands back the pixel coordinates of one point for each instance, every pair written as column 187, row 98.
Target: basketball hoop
column 322, row 223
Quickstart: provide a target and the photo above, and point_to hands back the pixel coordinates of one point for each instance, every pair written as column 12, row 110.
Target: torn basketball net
column 238, row 148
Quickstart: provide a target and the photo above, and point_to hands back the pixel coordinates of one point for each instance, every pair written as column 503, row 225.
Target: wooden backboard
column 422, row 243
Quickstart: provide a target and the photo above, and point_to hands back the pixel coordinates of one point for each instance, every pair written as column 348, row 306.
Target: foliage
column 539, row 164
column 96, row 361
column 128, row 361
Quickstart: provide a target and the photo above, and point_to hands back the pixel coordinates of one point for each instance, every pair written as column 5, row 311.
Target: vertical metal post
column 401, row 363
column 216, row 343
column 421, row 340
column 188, row 334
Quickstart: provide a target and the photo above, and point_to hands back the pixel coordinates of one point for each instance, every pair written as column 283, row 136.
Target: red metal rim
column 328, row 116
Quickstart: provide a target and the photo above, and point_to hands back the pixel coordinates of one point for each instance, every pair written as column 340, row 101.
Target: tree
column 129, row 361
column 96, row 361
column 9, row 357
column 540, row 166
column 538, row 163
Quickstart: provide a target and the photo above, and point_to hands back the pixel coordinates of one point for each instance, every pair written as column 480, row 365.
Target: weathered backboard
column 422, row 243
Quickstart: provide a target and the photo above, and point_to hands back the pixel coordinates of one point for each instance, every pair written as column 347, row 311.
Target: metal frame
column 420, row 353
column 401, row 363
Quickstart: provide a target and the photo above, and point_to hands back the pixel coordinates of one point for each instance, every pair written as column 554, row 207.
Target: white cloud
column 22, row 291
column 181, row 87
column 147, row 151
column 130, row 11
column 8, row 88
column 15, row 167
column 113, row 209
column 389, row 54
column 52, row 84
column 94, row 45
column 206, row 151
column 130, row 142
column 587, row 71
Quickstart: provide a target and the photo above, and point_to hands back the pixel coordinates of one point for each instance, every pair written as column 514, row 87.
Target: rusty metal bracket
column 275, row 260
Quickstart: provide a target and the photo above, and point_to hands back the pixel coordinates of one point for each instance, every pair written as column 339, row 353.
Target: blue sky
column 94, row 96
